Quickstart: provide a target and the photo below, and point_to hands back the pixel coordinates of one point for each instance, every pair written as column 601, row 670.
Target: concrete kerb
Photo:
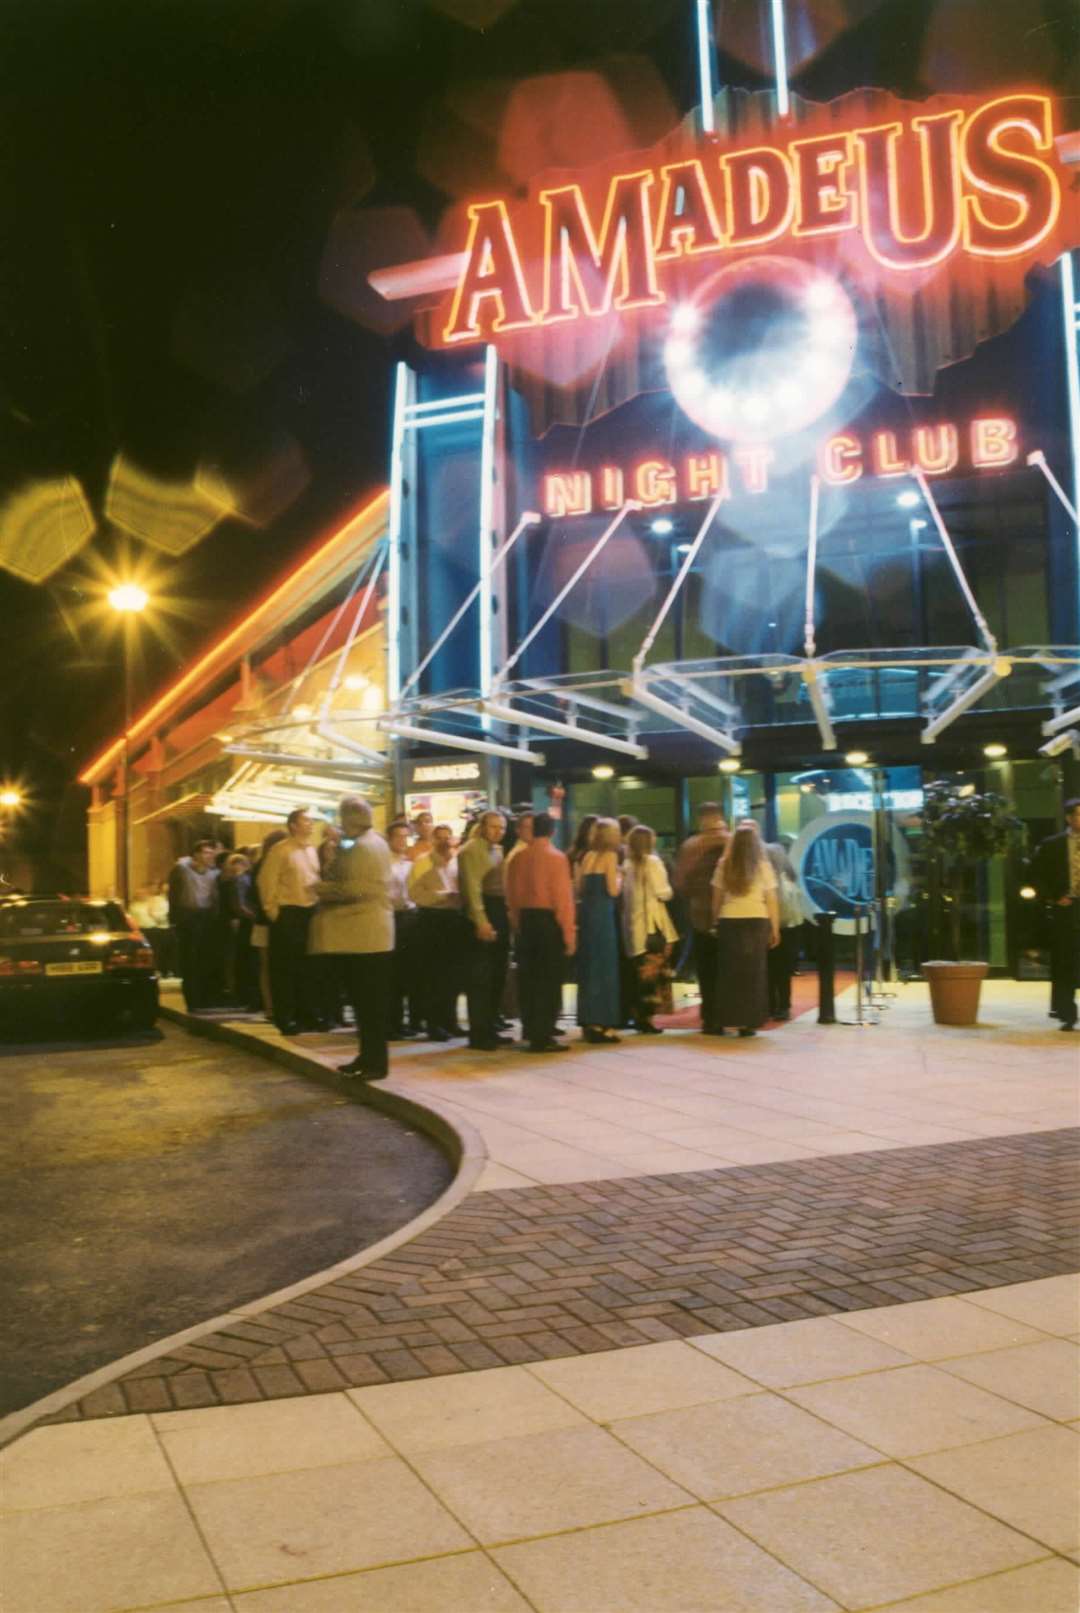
column 461, row 1142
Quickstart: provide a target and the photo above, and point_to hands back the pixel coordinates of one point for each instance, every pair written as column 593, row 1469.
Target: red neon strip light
column 145, row 720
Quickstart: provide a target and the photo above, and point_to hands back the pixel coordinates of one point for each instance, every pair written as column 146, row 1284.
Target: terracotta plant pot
column 954, row 991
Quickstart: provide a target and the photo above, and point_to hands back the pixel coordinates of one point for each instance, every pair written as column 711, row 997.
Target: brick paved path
column 532, row 1273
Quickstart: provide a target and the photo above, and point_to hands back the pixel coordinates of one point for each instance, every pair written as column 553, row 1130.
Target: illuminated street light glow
column 603, row 771
column 730, row 764
column 995, row 751
column 128, row 597
column 11, row 799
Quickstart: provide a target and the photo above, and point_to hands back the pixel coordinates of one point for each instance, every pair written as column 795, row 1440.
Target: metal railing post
column 826, row 963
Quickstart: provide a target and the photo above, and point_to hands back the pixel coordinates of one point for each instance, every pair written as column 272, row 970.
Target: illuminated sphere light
column 856, row 758
column 762, row 349
column 907, row 501
column 730, row 765
column 995, row 751
column 603, row 772
column 662, row 526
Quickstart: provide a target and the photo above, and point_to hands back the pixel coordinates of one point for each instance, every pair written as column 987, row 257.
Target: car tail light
column 143, row 958
column 19, row 966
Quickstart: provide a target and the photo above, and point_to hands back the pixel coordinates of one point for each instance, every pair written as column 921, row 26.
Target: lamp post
column 10, row 802
column 128, row 599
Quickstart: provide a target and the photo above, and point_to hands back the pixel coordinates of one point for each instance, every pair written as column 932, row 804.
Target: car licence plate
column 73, row 968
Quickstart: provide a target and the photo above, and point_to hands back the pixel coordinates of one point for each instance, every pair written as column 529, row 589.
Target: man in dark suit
column 1055, row 873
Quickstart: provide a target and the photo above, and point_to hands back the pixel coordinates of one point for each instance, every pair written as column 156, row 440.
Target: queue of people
column 399, row 928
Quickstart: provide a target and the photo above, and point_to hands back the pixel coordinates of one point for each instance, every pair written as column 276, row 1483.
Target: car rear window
column 20, row 920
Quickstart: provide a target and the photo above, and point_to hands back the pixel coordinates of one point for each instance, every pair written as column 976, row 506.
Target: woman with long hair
column 583, row 839
column 646, row 927
column 747, row 916
column 597, row 882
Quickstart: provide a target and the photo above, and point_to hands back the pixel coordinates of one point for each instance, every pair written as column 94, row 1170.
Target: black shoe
column 548, row 1047
column 490, row 1044
column 746, row 1031
column 289, row 1028
column 646, row 1028
column 1067, row 1025
column 437, row 1034
column 713, row 1030
column 599, row 1038
column 355, row 1067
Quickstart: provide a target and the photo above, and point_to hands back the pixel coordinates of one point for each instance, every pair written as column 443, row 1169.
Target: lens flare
column 42, row 526
column 171, row 516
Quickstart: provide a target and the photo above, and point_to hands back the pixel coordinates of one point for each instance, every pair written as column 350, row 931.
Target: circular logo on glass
column 834, row 860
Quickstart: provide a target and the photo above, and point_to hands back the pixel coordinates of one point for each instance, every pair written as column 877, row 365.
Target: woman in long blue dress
column 598, row 881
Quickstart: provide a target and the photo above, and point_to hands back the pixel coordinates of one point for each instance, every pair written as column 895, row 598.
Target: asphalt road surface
column 151, row 1183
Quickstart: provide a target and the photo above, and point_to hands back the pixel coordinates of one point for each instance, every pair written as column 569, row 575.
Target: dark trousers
column 705, row 966
column 486, row 977
column 781, row 962
column 404, row 989
column 290, row 969
column 369, row 978
column 163, row 942
column 327, row 985
column 441, row 940
column 541, row 957
column 1064, row 961
column 196, row 934
column 241, row 966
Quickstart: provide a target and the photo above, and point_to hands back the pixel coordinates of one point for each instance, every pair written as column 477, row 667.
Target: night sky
column 193, row 192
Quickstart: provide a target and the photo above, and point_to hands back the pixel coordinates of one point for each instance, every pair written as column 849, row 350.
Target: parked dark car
column 76, row 962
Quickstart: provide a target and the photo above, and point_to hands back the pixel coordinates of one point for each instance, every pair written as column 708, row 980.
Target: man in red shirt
column 540, row 898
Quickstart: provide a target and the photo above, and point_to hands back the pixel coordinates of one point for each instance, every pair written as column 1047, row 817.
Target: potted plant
column 963, row 828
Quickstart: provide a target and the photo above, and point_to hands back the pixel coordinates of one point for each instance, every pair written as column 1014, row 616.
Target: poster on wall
column 449, row 788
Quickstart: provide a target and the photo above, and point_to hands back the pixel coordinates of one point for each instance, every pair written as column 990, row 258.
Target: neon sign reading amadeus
column 988, row 443
column 914, row 190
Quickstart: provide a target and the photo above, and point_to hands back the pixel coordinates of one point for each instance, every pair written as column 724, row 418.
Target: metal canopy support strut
column 593, row 554
column 673, row 592
column 706, row 49
column 812, row 671
column 996, row 668
column 1038, row 459
column 530, row 518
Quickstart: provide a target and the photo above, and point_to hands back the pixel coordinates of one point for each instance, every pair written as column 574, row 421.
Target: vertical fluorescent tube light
column 487, row 501
column 397, row 474
column 1070, row 297
column 706, row 61
column 783, row 100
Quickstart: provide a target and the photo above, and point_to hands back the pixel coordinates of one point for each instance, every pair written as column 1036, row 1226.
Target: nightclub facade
column 744, row 467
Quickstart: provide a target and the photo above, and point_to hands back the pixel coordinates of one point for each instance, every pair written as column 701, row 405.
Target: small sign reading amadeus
column 444, row 772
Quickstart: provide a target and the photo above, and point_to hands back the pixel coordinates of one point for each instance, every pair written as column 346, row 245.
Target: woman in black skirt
column 747, row 915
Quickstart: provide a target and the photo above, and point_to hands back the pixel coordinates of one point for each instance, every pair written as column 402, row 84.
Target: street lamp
column 128, row 600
